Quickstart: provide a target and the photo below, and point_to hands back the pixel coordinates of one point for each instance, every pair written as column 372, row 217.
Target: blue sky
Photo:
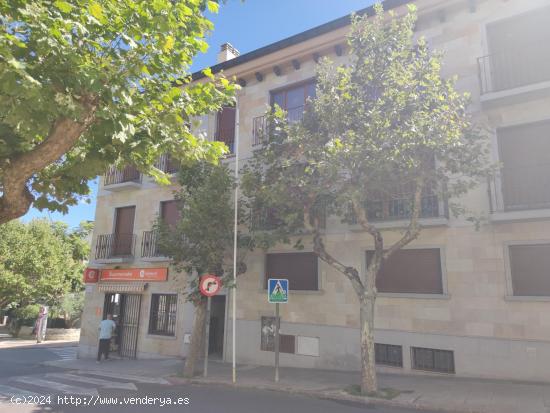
column 247, row 26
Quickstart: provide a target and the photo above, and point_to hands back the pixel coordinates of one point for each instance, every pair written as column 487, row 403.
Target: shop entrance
column 125, row 309
column 217, row 326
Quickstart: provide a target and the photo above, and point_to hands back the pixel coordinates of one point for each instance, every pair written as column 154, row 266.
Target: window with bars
column 388, row 354
column 162, row 319
column 429, row 359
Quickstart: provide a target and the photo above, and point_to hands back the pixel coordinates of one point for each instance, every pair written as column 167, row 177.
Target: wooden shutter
column 225, row 128
column 413, row 271
column 169, row 213
column 530, row 269
column 124, row 230
column 300, row 268
column 525, row 155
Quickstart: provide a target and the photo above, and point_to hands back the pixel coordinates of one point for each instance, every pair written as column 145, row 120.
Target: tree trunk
column 369, row 382
column 196, row 339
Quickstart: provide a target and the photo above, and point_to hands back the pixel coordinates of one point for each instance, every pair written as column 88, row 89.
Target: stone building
column 479, row 301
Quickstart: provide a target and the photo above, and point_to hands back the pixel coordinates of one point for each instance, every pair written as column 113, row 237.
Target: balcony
column 520, row 193
column 122, row 179
column 260, row 126
column 395, row 211
column 149, row 247
column 112, row 248
column 166, row 164
column 514, row 72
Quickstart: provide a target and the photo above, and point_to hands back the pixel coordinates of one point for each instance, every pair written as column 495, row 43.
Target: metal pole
column 277, row 326
column 207, row 336
column 236, row 207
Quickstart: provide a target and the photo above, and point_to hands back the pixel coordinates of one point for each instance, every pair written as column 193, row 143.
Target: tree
column 386, row 124
column 85, row 84
column 202, row 240
column 38, row 264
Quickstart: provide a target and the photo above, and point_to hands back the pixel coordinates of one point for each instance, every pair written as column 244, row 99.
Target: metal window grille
column 429, row 359
column 388, row 354
column 162, row 319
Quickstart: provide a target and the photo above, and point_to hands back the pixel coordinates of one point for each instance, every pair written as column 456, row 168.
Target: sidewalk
column 434, row 392
column 438, row 393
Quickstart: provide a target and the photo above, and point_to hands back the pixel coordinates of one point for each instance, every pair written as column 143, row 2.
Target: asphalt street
column 22, row 376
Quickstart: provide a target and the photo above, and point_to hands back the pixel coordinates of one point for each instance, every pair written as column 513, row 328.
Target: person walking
column 106, row 330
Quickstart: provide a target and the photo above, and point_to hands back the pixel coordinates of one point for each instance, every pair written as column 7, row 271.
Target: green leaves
column 124, row 57
column 64, row 6
column 39, row 262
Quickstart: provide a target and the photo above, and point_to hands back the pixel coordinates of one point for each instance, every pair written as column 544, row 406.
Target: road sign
column 210, row 285
column 277, row 290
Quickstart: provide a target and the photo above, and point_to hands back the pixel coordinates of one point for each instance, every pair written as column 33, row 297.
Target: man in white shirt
column 106, row 330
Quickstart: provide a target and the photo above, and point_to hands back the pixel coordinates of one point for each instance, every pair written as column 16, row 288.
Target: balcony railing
column 513, row 68
column 115, row 246
column 166, row 164
column 398, row 208
column 259, row 130
column 149, row 245
column 520, row 188
column 118, row 176
column 226, row 136
column 260, row 124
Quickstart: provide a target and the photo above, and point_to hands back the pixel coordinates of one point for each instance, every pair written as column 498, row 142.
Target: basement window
column 429, row 359
column 388, row 355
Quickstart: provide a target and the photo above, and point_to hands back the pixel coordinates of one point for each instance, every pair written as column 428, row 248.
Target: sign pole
column 277, row 326
column 207, row 335
column 235, row 229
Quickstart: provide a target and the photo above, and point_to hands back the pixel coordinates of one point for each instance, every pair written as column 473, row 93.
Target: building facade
column 458, row 300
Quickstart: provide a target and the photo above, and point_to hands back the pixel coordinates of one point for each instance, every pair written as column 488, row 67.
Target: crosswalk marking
column 8, row 392
column 54, row 386
column 65, row 353
column 91, row 380
column 129, row 377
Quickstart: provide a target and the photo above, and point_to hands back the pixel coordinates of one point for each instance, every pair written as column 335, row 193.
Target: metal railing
column 114, row 246
column 260, row 124
column 149, row 244
column 118, row 176
column 400, row 207
column 259, row 130
column 520, row 188
column 513, row 68
column 166, row 164
column 226, row 136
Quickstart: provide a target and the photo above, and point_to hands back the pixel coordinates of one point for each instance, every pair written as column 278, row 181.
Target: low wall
column 53, row 333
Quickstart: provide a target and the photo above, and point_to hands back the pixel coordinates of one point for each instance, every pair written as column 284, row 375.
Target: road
column 22, row 375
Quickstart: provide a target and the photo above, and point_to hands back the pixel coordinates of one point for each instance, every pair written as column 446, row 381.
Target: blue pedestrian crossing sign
column 277, row 290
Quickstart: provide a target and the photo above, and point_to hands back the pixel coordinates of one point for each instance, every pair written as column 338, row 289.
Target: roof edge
column 297, row 38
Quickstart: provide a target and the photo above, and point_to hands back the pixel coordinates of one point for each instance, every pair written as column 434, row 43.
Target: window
column 162, row 319
column 430, row 359
column 388, row 354
column 411, row 271
column 169, row 213
column 300, row 268
column 529, row 268
column 293, row 99
column 524, row 151
column 225, row 127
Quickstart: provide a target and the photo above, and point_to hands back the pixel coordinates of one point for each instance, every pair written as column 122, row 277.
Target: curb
column 327, row 394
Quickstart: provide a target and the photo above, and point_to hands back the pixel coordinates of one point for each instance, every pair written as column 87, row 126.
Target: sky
column 247, row 25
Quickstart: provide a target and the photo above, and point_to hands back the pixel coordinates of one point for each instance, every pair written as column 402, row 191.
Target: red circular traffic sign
column 210, row 285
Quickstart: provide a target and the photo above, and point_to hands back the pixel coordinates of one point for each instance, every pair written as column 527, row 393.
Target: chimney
column 227, row 52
